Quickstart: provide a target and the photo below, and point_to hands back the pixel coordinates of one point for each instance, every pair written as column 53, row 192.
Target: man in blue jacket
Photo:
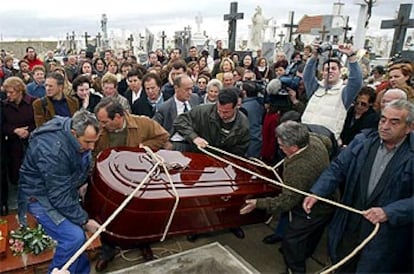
column 55, row 168
column 377, row 170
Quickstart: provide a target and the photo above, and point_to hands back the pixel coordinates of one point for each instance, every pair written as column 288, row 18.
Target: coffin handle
column 226, row 198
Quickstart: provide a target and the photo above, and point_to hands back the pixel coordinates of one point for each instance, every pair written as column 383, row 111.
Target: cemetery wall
column 18, row 48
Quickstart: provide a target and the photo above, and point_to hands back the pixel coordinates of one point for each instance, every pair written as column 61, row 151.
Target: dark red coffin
column 211, row 195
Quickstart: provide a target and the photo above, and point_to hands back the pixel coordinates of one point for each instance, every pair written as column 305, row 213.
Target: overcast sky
column 34, row 19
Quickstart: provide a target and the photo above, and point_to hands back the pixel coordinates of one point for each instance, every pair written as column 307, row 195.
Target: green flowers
column 29, row 240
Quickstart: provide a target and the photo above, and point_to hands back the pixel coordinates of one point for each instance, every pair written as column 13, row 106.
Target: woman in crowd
column 88, row 98
column 399, row 76
column 113, row 68
column 203, row 66
column 99, row 66
column 194, row 70
column 202, row 84
column 226, row 65
column 262, row 68
column 213, row 88
column 18, row 122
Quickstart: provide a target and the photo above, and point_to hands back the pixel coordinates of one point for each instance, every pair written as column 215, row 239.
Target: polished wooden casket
column 211, row 194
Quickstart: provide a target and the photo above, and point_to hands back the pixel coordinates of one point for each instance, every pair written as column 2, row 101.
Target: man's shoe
column 272, row 239
column 147, row 252
column 101, row 265
column 238, row 232
column 192, row 238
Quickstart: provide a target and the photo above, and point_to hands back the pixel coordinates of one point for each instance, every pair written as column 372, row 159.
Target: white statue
column 259, row 26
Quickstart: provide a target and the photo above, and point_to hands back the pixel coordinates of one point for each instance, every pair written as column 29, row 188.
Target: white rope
column 177, row 198
column 157, row 161
column 333, row 267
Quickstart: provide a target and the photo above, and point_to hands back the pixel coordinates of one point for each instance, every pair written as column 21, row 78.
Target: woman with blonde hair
column 17, row 123
column 399, row 76
column 226, row 65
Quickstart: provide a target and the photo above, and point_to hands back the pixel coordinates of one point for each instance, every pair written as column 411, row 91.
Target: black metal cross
column 291, row 25
column 232, row 18
column 130, row 40
column 98, row 39
column 400, row 26
column 163, row 36
column 346, row 29
column 86, row 36
column 323, row 32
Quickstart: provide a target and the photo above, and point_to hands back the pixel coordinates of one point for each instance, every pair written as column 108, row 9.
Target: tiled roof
column 307, row 23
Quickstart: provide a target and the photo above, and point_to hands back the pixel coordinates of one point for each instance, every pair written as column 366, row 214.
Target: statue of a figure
column 258, row 28
column 299, row 45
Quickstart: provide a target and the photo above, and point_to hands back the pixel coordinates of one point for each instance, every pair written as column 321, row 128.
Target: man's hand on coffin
column 200, row 142
column 92, row 225
column 248, row 207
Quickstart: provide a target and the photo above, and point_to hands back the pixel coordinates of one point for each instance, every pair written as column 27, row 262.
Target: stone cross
column 232, row 17
column 400, row 26
column 86, row 36
column 346, row 29
column 199, row 21
column 72, row 40
column 141, row 40
column 323, row 32
column 290, row 26
column 163, row 36
column 98, row 39
column 281, row 35
column 131, row 40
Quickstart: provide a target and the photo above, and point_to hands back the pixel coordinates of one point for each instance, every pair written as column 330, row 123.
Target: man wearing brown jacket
column 119, row 128
column 55, row 102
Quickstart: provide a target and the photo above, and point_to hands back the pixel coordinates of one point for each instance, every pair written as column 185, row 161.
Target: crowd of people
column 345, row 131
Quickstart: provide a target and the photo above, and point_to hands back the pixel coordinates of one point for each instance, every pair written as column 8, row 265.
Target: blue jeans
column 69, row 236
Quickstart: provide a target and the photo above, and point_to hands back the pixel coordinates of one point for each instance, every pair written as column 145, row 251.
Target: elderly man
column 391, row 95
column 309, row 154
column 54, row 169
column 119, row 128
column 182, row 101
column 330, row 99
column 377, row 169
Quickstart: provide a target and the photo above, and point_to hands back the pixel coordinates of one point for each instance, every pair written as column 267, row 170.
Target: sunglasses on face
column 362, row 104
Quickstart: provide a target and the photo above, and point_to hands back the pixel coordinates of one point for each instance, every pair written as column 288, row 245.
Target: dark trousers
column 301, row 239
column 347, row 244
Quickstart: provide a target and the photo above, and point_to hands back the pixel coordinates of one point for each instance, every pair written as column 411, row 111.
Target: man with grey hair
column 377, row 170
column 52, row 177
column 308, row 154
column 391, row 95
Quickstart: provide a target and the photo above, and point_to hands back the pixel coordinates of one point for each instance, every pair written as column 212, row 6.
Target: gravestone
column 268, row 49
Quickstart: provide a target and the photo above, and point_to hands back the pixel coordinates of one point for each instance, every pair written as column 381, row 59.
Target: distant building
column 311, row 27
